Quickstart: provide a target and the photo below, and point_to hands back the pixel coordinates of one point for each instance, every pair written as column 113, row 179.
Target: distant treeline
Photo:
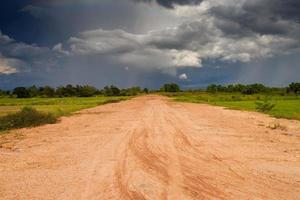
column 238, row 88
column 71, row 91
column 254, row 88
column 88, row 91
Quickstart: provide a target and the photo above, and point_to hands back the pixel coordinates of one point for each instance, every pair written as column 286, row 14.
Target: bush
column 265, row 106
column 27, row 117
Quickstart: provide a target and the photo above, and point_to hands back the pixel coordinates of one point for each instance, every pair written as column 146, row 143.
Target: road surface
column 152, row 148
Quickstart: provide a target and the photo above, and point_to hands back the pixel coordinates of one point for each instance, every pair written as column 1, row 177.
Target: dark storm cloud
column 286, row 9
column 116, row 42
column 171, row 3
column 260, row 16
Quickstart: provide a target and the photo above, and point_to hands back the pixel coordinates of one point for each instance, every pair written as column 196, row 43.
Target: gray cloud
column 171, row 3
column 150, row 39
column 4, row 39
column 182, row 46
column 263, row 16
column 226, row 31
column 17, row 57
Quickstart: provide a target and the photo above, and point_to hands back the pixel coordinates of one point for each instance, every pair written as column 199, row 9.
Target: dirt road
column 153, row 148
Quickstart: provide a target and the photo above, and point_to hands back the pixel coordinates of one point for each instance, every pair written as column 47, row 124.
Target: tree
column 21, row 92
column 86, row 91
column 48, row 91
column 254, row 88
column 2, row 93
column 170, row 87
column 212, row 88
column 146, row 90
column 294, row 87
column 33, row 91
column 67, row 91
column 70, row 91
column 60, row 91
column 111, row 91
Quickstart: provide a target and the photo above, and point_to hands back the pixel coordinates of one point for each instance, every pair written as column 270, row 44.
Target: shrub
column 265, row 106
column 27, row 117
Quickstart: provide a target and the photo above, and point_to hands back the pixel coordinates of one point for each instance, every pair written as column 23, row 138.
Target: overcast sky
column 149, row 42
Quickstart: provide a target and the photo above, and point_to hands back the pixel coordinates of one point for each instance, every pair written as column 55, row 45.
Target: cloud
column 174, row 36
column 9, row 66
column 171, row 3
column 17, row 57
column 59, row 49
column 7, row 70
column 183, row 77
column 138, row 50
column 4, row 39
column 200, row 38
column 104, row 42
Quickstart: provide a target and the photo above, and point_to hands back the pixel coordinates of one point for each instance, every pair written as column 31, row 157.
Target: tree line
column 240, row 88
column 71, row 91
column 89, row 91
column 253, row 88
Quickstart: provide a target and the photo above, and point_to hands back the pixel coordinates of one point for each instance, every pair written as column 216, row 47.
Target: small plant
column 27, row 117
column 264, row 106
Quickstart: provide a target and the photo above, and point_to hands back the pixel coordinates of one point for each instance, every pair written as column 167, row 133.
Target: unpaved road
column 152, row 148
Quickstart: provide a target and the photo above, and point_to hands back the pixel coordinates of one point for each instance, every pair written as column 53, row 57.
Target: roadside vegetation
column 27, row 117
column 278, row 102
column 33, row 106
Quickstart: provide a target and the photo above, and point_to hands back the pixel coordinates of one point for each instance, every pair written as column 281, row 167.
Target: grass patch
column 27, row 117
column 57, row 106
column 286, row 106
column 12, row 114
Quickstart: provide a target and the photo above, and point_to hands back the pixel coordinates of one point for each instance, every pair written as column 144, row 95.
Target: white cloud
column 183, row 77
column 8, row 66
column 7, row 70
column 185, row 58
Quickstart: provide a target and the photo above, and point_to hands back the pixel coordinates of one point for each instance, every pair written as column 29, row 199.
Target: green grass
column 287, row 106
column 55, row 106
column 11, row 109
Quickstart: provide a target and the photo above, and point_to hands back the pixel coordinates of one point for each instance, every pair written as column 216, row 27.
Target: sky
column 149, row 42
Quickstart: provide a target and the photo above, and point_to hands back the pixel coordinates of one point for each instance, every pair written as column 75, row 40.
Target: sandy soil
column 153, row 148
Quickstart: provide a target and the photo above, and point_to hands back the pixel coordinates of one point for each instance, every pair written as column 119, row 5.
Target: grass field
column 287, row 106
column 55, row 106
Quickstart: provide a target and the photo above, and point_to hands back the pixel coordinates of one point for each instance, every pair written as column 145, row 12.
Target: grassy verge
column 285, row 106
column 20, row 113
